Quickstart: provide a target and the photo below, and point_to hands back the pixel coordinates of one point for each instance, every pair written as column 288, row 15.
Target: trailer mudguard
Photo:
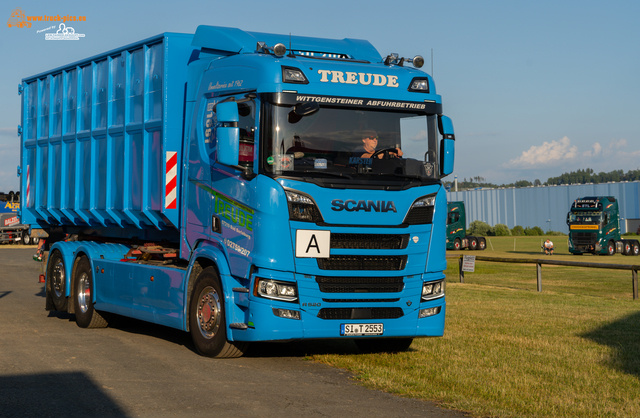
column 70, row 251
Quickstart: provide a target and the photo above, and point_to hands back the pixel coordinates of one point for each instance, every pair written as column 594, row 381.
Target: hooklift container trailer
column 217, row 183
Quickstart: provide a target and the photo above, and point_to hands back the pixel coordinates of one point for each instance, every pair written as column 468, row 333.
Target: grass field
column 572, row 350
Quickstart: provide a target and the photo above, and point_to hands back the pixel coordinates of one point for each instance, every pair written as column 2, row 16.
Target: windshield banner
column 291, row 98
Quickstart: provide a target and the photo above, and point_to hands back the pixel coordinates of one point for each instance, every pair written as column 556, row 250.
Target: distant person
column 548, row 247
column 369, row 144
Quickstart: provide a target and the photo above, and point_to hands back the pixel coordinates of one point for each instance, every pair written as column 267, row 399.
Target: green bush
column 478, row 228
column 536, row 230
column 517, row 231
column 550, row 232
column 501, row 230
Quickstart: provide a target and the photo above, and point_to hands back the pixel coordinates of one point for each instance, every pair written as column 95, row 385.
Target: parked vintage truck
column 594, row 227
column 218, row 183
column 457, row 238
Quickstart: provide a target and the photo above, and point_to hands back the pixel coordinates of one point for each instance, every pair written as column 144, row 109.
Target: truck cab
column 594, row 227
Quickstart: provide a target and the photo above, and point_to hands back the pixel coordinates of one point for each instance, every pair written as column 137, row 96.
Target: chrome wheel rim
column 84, row 292
column 209, row 312
column 57, row 278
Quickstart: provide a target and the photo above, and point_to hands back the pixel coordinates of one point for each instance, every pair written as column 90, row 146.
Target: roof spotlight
column 418, row 61
column 279, row 50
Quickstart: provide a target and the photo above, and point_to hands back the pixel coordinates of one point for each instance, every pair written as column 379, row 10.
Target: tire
column 457, row 244
column 57, row 281
column 35, row 240
column 207, row 319
column 636, row 248
column 473, row 243
column 627, row 248
column 482, row 244
column 383, row 345
column 86, row 315
column 26, row 238
column 611, row 248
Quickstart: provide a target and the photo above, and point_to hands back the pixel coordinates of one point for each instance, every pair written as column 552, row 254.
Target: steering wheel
column 384, row 151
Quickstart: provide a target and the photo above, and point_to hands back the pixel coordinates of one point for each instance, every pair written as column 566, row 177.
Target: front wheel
column 611, row 248
column 207, row 322
column 86, row 315
column 383, row 345
column 456, row 244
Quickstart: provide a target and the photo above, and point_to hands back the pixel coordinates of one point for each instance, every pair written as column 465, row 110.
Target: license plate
column 348, row 330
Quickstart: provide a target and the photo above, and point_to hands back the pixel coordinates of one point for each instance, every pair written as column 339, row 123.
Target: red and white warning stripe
column 28, row 188
column 170, row 197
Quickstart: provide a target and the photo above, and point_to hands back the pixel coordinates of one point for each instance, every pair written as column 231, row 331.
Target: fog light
column 429, row 312
column 286, row 313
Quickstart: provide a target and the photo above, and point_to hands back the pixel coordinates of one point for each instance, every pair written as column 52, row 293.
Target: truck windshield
column 591, row 217
column 351, row 143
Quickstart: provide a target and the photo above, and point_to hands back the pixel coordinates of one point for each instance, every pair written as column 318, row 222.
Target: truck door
column 220, row 199
column 234, row 194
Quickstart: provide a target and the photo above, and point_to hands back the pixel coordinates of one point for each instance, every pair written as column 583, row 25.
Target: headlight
column 273, row 289
column 433, row 290
column 302, row 208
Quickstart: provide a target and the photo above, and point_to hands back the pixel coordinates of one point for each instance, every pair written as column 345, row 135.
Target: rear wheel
column 57, row 281
column 383, row 345
column 473, row 243
column 207, row 321
column 636, row 248
column 86, row 315
column 26, row 238
column 482, row 244
column 627, row 248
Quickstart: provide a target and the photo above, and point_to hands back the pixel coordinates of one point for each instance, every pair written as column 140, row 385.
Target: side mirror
column 447, row 145
column 228, row 133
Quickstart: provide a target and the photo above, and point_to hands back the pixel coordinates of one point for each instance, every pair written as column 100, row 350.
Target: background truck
column 11, row 230
column 216, row 183
column 457, row 238
column 594, row 227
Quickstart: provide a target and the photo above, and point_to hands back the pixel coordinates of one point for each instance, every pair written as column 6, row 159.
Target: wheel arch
column 207, row 254
column 72, row 251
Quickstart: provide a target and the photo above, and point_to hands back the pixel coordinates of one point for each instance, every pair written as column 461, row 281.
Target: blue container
column 101, row 138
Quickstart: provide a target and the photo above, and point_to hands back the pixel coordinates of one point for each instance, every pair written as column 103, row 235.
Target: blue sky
column 534, row 89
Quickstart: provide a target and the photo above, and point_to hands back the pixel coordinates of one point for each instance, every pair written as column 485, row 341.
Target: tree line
column 585, row 176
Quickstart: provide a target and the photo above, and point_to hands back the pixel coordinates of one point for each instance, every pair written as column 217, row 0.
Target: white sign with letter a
column 313, row 244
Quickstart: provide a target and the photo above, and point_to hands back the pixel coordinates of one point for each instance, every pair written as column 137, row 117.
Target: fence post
column 460, row 269
column 539, row 274
column 634, row 280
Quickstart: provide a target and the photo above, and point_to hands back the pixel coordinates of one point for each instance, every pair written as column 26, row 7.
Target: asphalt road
column 49, row 367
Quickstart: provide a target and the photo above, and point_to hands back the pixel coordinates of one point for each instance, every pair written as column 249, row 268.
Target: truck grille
column 362, row 262
column 370, row 241
column 360, row 313
column 419, row 215
column 360, row 284
column 584, row 238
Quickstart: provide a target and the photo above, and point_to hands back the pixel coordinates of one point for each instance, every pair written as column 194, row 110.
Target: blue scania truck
column 217, row 183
